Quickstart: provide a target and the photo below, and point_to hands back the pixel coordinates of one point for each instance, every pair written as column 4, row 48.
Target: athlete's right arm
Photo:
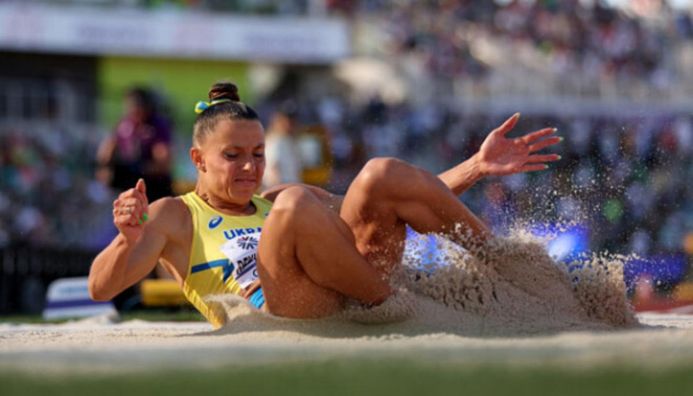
column 136, row 249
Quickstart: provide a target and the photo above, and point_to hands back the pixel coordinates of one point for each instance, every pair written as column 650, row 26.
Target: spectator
column 283, row 162
column 140, row 146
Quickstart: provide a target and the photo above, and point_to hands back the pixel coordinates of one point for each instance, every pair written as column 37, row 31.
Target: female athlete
column 295, row 250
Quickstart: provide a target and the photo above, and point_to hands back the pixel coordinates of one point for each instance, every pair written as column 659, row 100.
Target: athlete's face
column 232, row 160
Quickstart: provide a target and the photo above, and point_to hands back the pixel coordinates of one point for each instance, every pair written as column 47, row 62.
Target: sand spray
column 510, row 286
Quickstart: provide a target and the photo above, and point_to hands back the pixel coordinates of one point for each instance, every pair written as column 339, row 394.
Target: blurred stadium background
column 420, row 80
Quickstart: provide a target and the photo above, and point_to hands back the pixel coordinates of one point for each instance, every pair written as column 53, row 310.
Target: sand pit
column 662, row 341
column 512, row 306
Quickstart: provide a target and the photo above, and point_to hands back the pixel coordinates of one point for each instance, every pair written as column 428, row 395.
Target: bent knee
column 384, row 166
column 386, row 175
column 294, row 198
column 378, row 170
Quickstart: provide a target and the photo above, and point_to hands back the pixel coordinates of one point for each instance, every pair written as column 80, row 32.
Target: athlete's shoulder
column 169, row 203
column 169, row 211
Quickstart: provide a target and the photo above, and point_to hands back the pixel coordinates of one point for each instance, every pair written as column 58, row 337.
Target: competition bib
column 242, row 254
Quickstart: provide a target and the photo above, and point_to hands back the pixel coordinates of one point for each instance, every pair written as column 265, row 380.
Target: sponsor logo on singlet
column 214, row 222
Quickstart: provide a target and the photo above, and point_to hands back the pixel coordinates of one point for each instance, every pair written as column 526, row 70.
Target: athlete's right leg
column 308, row 262
column 389, row 194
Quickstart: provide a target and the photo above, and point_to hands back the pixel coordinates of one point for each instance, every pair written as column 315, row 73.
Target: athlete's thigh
column 288, row 290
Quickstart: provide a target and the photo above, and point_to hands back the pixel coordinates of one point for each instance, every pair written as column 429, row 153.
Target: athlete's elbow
column 100, row 295
column 97, row 292
column 96, row 296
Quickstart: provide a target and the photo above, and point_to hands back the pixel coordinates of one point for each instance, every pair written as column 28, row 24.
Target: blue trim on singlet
column 210, row 265
column 257, row 299
column 228, row 267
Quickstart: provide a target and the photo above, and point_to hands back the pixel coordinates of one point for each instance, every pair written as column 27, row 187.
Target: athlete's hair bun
column 224, row 90
column 224, row 104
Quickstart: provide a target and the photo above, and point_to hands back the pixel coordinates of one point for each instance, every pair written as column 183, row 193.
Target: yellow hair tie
column 202, row 105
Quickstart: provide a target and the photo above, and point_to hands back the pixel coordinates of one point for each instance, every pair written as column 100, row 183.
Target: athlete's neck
column 224, row 206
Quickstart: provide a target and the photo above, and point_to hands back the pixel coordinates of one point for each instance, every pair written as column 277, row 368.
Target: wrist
column 476, row 168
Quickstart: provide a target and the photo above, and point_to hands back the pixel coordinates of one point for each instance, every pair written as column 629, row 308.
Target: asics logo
column 214, row 222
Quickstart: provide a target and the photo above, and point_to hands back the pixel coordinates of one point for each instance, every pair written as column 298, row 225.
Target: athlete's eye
column 228, row 155
column 259, row 155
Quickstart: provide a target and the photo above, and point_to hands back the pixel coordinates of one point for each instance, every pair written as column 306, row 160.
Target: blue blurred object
column 426, row 248
column 662, row 269
column 566, row 242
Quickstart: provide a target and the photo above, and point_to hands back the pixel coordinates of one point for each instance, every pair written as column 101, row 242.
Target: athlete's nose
column 248, row 165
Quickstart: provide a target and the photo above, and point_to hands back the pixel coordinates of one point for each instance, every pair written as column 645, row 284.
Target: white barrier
column 69, row 298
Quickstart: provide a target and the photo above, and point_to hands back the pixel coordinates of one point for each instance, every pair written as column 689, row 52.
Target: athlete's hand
column 130, row 211
column 500, row 155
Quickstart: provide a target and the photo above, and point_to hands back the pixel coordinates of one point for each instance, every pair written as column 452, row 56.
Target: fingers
column 128, row 216
column 545, row 143
column 128, row 211
column 508, row 125
column 140, row 191
column 132, row 206
column 533, row 167
column 536, row 135
column 543, row 158
column 134, row 192
column 124, row 219
column 141, row 187
column 134, row 199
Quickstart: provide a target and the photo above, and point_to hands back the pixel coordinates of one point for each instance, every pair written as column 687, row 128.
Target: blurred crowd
column 598, row 41
column 58, row 180
column 628, row 178
column 48, row 193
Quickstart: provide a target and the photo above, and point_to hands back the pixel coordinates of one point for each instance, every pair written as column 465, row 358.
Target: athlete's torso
column 223, row 253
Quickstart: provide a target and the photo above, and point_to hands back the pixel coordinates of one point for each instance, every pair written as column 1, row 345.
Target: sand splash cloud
column 514, row 288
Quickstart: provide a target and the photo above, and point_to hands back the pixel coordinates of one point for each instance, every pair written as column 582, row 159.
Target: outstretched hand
column 500, row 155
column 130, row 211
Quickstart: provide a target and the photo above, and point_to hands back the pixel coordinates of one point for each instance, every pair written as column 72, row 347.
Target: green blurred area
column 181, row 82
column 360, row 377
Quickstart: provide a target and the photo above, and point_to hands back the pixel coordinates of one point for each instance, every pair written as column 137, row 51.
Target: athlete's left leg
column 307, row 260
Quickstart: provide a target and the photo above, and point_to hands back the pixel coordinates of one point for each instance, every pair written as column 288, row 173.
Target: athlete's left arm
column 332, row 201
column 499, row 156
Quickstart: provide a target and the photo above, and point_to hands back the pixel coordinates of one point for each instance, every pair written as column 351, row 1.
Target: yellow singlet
column 223, row 253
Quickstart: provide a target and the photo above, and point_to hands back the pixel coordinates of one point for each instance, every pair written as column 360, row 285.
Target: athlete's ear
column 197, row 159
